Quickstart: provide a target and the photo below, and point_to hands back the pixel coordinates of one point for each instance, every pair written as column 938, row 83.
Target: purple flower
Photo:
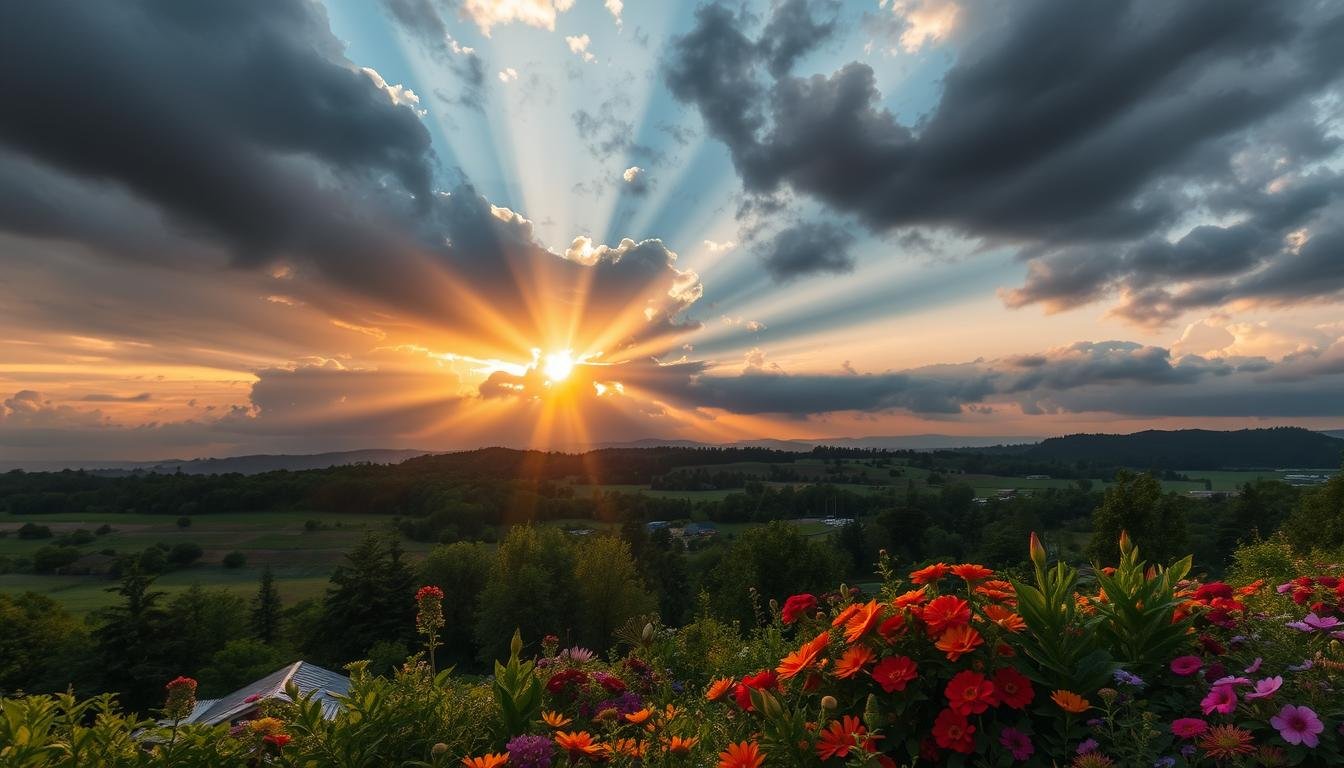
column 1298, row 725
column 1128, row 678
column 1017, row 742
column 1303, row 667
column 529, row 751
column 1264, row 688
column 1313, row 623
column 1221, row 699
column 1089, row 745
column 1255, row 666
column 1164, row 762
column 1283, row 589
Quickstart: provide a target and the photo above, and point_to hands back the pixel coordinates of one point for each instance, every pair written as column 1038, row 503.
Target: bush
column 185, row 553
column 184, row 522
column 34, row 531
column 235, row 559
column 50, row 559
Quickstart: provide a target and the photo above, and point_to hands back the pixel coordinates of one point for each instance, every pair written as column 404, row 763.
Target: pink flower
column 1265, row 688
column 1313, row 623
column 1221, row 699
column 1298, row 725
column 1017, row 742
column 1188, row 727
column 1230, row 680
column 1186, row 666
column 1255, row 666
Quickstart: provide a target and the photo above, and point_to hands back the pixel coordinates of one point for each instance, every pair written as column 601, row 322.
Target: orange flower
column 639, row 717
column 862, row 621
column 804, row 658
column 1005, row 618
column 554, row 719
column 744, row 755
column 627, row 747
column 959, row 641
column 719, row 688
column 971, row 572
column 671, row 712
column 944, row 612
column 1070, row 702
column 998, row 590
column 929, row 573
column 855, row 659
column 841, row 736
column 680, row 746
column 844, row 616
column 486, row 761
column 578, row 744
column 909, row 599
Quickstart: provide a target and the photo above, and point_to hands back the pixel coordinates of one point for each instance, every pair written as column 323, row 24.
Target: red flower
column 841, row 736
column 892, row 628
column 953, row 731
column 893, row 672
column 969, row 693
column 798, row 606
column 429, row 591
column 181, row 699
column 929, row 574
column 764, row 680
column 278, row 739
column 566, row 678
column 971, row 572
column 1012, row 688
column 945, row 612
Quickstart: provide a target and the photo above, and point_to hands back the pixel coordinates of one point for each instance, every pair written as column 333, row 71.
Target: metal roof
column 330, row 686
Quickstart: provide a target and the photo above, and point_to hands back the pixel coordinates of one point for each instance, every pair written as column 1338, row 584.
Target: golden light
column 558, row 366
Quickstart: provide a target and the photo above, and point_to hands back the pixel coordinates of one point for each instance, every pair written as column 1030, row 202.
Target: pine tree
column 132, row 642
column 265, row 622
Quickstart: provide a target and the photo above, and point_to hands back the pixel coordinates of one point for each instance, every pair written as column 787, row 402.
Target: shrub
column 234, row 559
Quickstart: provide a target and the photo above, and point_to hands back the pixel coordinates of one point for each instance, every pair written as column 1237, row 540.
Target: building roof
column 307, row 677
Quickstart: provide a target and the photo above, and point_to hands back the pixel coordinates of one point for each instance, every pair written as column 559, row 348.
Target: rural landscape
column 704, row 384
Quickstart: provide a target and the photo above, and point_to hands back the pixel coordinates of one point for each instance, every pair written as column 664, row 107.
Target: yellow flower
column 266, row 725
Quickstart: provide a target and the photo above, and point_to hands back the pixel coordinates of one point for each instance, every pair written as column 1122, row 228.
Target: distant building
column 1037, row 477
column 244, row 703
column 699, row 529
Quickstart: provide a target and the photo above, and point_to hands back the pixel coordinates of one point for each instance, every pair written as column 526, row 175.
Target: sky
column 297, row 226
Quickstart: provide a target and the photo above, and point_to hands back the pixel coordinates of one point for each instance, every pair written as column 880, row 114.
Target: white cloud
column 615, row 7
column 534, row 13
column 632, row 174
column 578, row 45
column 397, row 94
column 927, row 21
column 508, row 75
column 715, row 247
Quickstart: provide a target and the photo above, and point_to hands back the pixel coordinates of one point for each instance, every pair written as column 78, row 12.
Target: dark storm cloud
column 1074, row 378
column 241, row 129
column 794, row 31
column 211, row 112
column 1071, row 127
column 807, row 248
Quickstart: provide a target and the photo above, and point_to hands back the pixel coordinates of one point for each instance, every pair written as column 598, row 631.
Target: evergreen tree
column 665, row 569
column 265, row 624
column 131, row 643
column 371, row 599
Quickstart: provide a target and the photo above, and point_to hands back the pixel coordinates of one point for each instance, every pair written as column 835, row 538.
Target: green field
column 301, row 559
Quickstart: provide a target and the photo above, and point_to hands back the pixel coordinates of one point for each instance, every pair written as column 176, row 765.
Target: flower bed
column 946, row 665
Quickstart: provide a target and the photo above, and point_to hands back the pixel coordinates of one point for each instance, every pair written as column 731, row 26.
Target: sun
column 558, row 366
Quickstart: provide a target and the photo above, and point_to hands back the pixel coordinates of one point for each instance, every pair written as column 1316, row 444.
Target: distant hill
column 246, row 465
column 1334, row 433
column 1277, row 448
column 931, row 442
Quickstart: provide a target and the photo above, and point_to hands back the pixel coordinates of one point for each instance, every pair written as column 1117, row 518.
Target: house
column 244, row 703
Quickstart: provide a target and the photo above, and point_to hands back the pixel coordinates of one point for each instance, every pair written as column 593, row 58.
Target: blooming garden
column 946, row 665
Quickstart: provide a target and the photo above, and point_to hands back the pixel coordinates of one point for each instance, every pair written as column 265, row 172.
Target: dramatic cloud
column 807, row 248
column 1087, row 133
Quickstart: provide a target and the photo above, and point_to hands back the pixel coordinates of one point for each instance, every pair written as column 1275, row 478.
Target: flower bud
column 829, row 703
column 1037, row 551
column 647, row 634
column 438, row 749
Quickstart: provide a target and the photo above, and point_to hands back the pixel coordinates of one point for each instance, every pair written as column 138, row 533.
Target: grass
column 302, row 560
